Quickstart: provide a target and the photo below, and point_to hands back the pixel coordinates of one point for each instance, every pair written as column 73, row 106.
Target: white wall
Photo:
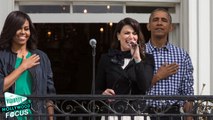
column 6, row 6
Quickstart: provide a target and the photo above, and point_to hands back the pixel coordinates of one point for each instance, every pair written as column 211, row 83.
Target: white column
column 211, row 44
column 193, row 40
column 204, row 45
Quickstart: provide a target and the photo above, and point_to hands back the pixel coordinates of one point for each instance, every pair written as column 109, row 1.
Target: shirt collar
column 153, row 48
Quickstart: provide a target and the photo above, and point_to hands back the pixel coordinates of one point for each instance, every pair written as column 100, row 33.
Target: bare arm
column 50, row 109
column 188, row 109
column 26, row 64
column 11, row 78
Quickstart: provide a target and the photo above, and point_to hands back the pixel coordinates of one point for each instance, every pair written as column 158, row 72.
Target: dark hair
column 14, row 22
column 136, row 26
column 163, row 10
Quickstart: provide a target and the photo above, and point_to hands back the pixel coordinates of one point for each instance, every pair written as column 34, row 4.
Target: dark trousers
column 174, row 109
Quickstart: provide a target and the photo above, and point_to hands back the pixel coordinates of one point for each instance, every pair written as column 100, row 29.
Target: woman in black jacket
column 24, row 70
column 126, row 68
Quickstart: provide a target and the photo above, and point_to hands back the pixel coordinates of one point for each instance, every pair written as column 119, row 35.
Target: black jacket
column 134, row 79
column 42, row 75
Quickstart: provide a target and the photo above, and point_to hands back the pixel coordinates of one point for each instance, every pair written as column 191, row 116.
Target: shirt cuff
column 137, row 61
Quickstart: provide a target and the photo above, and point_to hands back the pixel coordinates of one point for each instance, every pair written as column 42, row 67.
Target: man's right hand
column 165, row 71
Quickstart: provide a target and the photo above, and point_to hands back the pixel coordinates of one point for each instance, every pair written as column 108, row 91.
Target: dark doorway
column 67, row 46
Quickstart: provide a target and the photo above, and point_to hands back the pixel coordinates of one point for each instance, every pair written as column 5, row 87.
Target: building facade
column 191, row 18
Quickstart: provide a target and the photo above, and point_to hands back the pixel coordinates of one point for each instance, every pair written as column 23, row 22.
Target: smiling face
column 160, row 24
column 127, row 35
column 22, row 35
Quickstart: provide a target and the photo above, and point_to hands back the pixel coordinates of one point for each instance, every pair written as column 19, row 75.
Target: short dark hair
column 14, row 22
column 136, row 26
column 160, row 9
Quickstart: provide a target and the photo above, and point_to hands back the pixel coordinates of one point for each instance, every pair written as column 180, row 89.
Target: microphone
column 93, row 42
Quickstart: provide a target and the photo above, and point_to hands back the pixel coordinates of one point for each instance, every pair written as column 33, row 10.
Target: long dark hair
column 136, row 26
column 14, row 22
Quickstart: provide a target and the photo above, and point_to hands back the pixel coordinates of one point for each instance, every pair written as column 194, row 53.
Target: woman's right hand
column 30, row 62
column 26, row 64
